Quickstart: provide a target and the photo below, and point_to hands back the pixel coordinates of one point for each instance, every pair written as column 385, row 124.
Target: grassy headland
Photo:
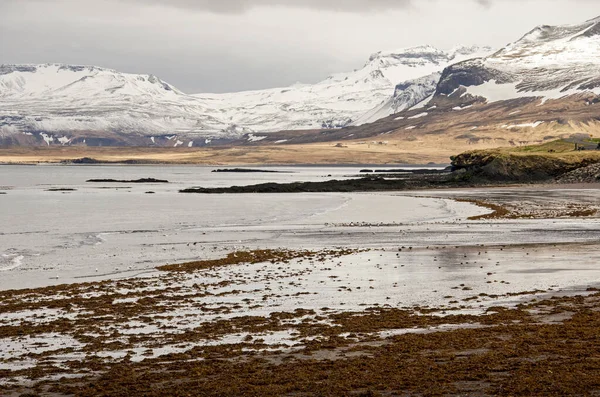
column 525, row 164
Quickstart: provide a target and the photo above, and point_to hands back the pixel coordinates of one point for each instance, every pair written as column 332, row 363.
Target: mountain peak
column 548, row 61
column 466, row 50
column 31, row 68
column 430, row 53
column 594, row 20
column 408, row 52
column 72, row 99
column 31, row 79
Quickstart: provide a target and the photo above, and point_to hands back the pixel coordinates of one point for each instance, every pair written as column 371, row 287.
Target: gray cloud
column 232, row 45
column 240, row 6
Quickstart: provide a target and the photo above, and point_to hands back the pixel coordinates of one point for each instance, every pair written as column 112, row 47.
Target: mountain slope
column 406, row 95
column 343, row 99
column 64, row 104
column 414, row 91
column 543, row 87
column 549, row 62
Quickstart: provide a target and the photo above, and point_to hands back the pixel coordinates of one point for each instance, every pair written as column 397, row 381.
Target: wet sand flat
column 309, row 294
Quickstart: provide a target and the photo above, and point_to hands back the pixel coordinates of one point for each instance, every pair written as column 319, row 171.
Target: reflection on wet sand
column 327, row 294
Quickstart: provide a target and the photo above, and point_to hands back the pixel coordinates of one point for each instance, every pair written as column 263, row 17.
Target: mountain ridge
column 69, row 103
column 548, row 61
column 544, row 85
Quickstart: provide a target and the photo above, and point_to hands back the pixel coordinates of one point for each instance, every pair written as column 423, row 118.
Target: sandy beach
column 396, row 293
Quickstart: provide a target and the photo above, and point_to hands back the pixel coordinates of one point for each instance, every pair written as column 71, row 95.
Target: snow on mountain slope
column 60, row 99
column 411, row 92
column 64, row 104
column 549, row 62
column 342, row 99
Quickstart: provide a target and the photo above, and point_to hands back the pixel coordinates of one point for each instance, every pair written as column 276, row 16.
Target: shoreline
column 242, row 165
column 321, row 154
column 455, row 342
column 430, row 307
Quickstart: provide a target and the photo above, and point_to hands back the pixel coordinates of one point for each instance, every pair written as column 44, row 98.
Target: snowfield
column 417, row 90
column 53, row 103
column 550, row 62
column 55, row 100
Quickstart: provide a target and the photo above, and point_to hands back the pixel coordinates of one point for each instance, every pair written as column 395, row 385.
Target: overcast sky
column 234, row 45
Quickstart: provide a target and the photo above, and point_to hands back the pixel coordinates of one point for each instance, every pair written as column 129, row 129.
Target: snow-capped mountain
column 411, row 92
column 344, row 98
column 549, row 62
column 64, row 104
column 543, row 87
column 61, row 103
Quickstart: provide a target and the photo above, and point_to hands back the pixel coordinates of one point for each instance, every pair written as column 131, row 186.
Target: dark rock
column 143, row 180
column 589, row 174
column 83, row 160
column 245, row 170
column 508, row 167
column 468, row 73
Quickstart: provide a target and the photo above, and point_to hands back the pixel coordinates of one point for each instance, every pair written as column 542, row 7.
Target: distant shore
column 316, row 154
